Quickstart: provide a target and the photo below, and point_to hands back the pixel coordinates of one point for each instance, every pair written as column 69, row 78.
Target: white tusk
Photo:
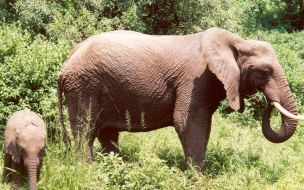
column 287, row 113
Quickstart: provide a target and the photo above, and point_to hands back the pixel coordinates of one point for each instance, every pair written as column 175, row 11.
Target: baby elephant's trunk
column 32, row 173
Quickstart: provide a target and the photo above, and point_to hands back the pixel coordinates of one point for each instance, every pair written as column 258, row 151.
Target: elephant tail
column 65, row 137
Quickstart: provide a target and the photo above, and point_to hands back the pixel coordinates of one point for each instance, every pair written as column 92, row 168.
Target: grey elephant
column 123, row 78
column 24, row 144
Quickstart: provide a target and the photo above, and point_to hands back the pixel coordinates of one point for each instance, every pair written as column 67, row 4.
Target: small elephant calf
column 24, row 143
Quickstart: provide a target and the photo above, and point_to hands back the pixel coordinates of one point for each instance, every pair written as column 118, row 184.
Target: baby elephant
column 24, row 143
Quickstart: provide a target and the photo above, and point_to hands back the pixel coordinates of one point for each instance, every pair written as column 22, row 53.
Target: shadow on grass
column 223, row 161
column 170, row 158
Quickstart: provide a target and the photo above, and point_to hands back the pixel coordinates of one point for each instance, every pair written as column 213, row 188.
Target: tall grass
column 238, row 157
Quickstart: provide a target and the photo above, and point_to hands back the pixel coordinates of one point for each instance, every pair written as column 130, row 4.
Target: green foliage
column 7, row 12
column 294, row 13
column 74, row 21
column 284, row 15
column 28, row 73
column 251, row 116
column 171, row 17
column 34, row 15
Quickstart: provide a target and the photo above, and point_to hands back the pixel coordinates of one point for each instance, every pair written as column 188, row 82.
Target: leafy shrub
column 74, row 21
column 294, row 13
column 29, row 70
column 284, row 15
column 35, row 15
column 7, row 11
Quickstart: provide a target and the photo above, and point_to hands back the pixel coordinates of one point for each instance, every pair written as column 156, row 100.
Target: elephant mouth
column 287, row 113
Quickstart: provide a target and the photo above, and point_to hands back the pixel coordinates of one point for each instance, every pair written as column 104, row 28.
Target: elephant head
column 245, row 66
column 25, row 139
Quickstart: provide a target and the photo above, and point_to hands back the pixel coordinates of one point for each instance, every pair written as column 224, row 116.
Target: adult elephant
column 128, row 81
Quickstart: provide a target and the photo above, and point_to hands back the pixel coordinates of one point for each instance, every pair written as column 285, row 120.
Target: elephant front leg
column 194, row 132
column 17, row 174
column 6, row 174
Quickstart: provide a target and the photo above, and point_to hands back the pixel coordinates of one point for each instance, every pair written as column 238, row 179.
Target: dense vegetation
column 37, row 35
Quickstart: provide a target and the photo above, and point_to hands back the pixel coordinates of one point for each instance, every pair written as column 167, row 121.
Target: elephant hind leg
column 84, row 139
column 83, row 116
column 89, row 151
column 108, row 138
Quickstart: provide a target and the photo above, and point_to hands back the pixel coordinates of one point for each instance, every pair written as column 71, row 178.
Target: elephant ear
column 220, row 51
column 10, row 137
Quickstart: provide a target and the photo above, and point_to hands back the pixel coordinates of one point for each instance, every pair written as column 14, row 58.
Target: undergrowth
column 238, row 157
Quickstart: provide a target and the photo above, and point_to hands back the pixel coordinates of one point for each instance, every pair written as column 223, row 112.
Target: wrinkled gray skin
column 24, row 144
column 168, row 81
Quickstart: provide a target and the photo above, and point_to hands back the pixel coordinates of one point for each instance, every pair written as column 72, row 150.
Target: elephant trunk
column 32, row 173
column 288, row 126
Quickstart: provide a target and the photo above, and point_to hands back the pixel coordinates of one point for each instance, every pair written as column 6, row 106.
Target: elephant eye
column 266, row 73
column 20, row 149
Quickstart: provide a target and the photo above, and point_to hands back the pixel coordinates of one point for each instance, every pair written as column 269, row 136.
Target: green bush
column 284, row 15
column 74, row 21
column 294, row 13
column 28, row 73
